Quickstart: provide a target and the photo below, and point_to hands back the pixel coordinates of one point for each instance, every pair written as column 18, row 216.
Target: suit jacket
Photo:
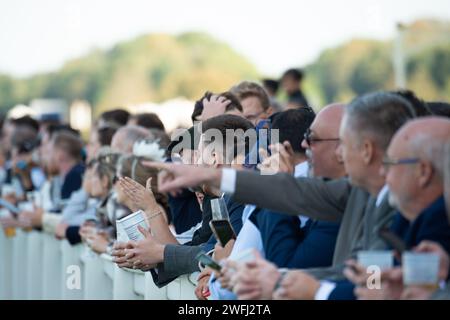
column 184, row 210
column 289, row 246
column 180, row 259
column 321, row 199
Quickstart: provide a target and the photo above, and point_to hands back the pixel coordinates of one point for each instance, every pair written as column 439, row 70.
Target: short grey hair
column 432, row 150
column 380, row 115
column 130, row 134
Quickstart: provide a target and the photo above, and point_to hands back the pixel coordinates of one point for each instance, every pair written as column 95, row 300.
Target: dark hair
column 439, row 108
column 198, row 106
column 26, row 121
column 228, row 122
column 106, row 166
column 292, row 125
column 189, row 137
column 116, row 116
column 24, row 139
column 2, row 120
column 247, row 89
column 50, row 118
column 54, row 128
column 149, row 120
column 271, row 85
column 70, row 143
column 105, row 135
column 296, row 74
column 380, row 113
column 420, row 109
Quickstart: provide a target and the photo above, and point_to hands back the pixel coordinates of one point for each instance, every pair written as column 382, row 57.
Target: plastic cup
column 381, row 259
column 219, row 209
column 420, row 269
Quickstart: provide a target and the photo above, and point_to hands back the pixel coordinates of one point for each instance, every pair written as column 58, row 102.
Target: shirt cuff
column 324, row 291
column 228, row 181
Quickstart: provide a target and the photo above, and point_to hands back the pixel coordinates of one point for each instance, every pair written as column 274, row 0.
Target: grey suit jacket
column 178, row 260
column 332, row 200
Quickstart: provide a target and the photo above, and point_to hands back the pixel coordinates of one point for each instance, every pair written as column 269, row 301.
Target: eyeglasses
column 309, row 140
column 387, row 162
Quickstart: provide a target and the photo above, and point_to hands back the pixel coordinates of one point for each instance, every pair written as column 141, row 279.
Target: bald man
column 124, row 139
column 414, row 166
column 321, row 141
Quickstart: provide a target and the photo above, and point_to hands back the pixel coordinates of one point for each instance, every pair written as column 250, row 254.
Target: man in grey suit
column 359, row 203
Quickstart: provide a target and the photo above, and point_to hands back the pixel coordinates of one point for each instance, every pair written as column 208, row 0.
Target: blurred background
column 79, row 58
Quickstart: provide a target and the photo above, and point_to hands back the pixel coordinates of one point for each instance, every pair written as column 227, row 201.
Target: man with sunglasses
column 321, row 141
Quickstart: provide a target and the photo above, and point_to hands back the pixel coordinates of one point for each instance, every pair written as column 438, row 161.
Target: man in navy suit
column 285, row 243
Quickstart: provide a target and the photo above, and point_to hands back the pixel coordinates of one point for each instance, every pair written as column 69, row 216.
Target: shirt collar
column 382, row 194
column 301, row 170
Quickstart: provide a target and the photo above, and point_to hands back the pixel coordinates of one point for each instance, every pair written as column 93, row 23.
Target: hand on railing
column 87, row 229
column 98, row 242
column 60, row 231
column 119, row 254
column 8, row 222
column 143, row 254
column 32, row 218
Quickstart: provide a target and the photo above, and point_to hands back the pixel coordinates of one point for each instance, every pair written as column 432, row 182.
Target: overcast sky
column 40, row 35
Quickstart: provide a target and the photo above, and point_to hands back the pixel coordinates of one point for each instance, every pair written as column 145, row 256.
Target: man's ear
column 368, row 151
column 426, row 172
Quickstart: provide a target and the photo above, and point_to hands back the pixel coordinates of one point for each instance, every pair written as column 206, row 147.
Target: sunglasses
column 310, row 140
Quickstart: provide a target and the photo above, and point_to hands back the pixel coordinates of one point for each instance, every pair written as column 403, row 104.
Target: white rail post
column 6, row 245
column 19, row 270
column 109, row 271
column 34, row 265
column 152, row 292
column 97, row 285
column 51, row 268
column 123, row 287
column 71, row 271
column 182, row 288
column 139, row 283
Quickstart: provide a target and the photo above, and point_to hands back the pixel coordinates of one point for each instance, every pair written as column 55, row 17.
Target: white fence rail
column 34, row 265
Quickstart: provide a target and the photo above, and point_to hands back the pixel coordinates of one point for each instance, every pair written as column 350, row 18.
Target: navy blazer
column 289, row 246
column 72, row 181
column 185, row 211
column 432, row 224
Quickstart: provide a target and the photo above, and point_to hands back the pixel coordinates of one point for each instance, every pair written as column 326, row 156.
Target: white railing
column 35, row 265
